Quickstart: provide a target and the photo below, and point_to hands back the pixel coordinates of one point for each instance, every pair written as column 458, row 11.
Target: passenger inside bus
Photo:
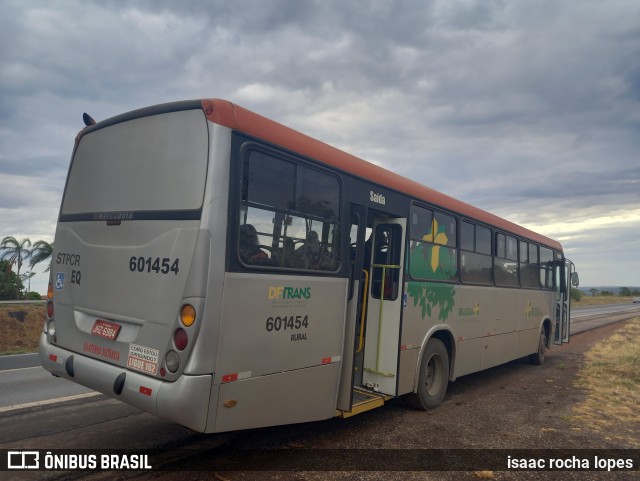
column 315, row 254
column 290, row 257
column 309, row 252
column 250, row 251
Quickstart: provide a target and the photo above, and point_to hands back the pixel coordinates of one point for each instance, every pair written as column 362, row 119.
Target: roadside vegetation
column 622, row 292
column 596, row 297
column 20, row 327
column 611, row 378
column 586, row 301
column 15, row 282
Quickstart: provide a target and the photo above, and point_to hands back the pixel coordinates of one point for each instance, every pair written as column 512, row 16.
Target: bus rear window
column 289, row 215
column 152, row 164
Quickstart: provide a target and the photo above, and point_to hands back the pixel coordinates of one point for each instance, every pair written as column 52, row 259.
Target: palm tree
column 15, row 252
column 41, row 252
column 27, row 277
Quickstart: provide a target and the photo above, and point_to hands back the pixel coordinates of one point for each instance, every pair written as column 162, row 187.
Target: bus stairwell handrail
column 363, row 313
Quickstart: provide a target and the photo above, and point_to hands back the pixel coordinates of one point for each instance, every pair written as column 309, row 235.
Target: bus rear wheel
column 433, row 378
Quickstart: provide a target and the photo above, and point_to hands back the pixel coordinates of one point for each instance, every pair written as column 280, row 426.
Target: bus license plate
column 106, row 329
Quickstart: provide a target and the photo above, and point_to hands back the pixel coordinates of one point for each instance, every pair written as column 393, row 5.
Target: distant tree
column 10, row 284
column 594, row 292
column 16, row 252
column 606, row 293
column 576, row 294
column 27, row 277
column 41, row 252
column 625, row 292
column 34, row 296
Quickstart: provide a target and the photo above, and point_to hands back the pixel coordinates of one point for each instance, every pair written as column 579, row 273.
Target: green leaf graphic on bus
column 430, row 296
column 431, row 259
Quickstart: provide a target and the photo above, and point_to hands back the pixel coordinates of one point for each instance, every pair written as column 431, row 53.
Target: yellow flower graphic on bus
column 430, row 258
column 437, row 236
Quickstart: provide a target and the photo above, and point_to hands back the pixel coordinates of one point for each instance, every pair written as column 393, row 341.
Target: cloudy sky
column 528, row 109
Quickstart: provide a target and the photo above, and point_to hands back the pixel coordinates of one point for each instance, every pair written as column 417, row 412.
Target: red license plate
column 106, row 329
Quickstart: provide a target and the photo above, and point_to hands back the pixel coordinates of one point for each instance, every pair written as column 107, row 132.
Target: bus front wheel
column 537, row 358
column 433, row 377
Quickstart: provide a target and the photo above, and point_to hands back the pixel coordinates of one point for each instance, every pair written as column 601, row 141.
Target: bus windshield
column 155, row 163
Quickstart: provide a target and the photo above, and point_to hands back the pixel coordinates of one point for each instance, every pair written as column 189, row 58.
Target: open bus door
column 567, row 277
column 384, row 305
column 372, row 335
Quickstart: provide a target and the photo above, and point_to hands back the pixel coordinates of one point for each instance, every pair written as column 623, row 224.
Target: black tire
column 537, row 358
column 433, row 378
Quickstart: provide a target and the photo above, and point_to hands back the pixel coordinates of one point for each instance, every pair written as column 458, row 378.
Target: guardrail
column 42, row 301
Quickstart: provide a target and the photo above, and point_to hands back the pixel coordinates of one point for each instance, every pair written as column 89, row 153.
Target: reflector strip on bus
column 236, row 376
column 147, row 391
column 329, row 360
column 53, row 357
column 406, row 347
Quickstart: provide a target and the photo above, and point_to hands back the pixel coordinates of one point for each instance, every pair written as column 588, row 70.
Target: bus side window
column 295, row 211
column 475, row 261
column 386, row 259
column 506, row 261
column 432, row 253
column 546, row 268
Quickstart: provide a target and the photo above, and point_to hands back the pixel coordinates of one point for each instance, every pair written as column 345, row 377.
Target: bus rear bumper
column 185, row 401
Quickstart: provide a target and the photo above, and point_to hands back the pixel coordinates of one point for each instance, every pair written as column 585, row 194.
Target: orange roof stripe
column 238, row 118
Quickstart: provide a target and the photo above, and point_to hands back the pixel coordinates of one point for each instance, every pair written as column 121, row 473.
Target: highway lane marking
column 21, row 369
column 46, row 402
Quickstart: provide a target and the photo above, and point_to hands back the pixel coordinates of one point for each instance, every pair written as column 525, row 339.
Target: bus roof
column 235, row 117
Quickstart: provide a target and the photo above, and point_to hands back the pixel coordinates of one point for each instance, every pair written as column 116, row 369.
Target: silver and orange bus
column 223, row 271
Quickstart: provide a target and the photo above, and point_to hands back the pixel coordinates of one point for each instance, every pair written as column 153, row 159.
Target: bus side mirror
column 575, row 280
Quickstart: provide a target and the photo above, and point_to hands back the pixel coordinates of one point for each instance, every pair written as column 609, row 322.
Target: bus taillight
column 50, row 323
column 180, row 339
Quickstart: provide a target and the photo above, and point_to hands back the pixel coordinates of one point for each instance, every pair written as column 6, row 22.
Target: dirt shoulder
column 514, row 406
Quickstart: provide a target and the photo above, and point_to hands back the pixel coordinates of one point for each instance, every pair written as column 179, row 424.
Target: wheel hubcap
column 434, row 375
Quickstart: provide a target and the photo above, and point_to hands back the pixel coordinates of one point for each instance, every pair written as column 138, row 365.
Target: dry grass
column 586, row 301
column 484, row 474
column 20, row 327
column 611, row 376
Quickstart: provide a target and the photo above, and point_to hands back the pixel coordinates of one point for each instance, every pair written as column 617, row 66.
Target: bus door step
column 364, row 401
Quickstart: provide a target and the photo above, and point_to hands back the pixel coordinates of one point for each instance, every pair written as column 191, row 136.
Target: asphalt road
column 587, row 318
column 30, row 384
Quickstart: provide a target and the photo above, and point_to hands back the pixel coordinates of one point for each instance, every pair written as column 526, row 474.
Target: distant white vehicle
column 636, row 300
